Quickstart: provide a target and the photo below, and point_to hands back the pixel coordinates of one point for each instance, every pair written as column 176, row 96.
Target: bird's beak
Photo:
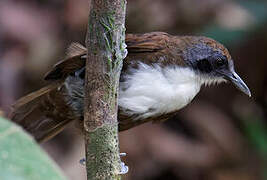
column 233, row 77
column 239, row 83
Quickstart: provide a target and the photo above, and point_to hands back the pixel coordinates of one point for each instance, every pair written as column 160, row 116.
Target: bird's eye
column 220, row 62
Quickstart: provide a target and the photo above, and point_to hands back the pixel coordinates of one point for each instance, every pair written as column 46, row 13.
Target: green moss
column 107, row 21
column 101, row 157
column 109, row 62
column 123, row 3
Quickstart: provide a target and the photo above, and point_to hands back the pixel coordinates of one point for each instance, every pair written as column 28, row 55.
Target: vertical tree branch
column 105, row 42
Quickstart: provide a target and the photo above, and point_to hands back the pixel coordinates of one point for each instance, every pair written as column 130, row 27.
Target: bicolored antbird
column 161, row 74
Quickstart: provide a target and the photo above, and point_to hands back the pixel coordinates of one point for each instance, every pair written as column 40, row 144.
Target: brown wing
column 75, row 49
column 70, row 64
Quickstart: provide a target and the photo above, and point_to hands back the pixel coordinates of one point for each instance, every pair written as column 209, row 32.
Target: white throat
column 153, row 90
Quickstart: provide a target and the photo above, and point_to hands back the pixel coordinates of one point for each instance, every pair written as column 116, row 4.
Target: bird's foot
column 124, row 168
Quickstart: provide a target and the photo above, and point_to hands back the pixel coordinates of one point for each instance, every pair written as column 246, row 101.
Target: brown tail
column 42, row 113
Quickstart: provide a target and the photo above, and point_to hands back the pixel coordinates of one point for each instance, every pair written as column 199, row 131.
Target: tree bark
column 105, row 42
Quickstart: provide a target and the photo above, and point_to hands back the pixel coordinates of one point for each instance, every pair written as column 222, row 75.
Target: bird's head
column 212, row 61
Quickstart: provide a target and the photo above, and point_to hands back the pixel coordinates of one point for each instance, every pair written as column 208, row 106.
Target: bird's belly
column 142, row 106
column 151, row 92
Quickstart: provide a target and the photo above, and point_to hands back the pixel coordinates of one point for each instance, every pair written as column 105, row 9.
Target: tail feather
column 42, row 113
column 27, row 104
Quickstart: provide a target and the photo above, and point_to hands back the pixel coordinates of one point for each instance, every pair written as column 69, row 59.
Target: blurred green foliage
column 256, row 132
column 21, row 158
column 257, row 9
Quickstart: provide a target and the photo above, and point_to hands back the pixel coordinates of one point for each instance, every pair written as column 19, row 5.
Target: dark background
column 221, row 135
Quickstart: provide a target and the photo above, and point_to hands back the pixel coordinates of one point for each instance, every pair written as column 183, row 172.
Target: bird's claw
column 123, row 154
column 124, row 168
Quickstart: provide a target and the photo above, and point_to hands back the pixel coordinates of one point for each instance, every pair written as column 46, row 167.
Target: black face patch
column 205, row 59
column 204, row 65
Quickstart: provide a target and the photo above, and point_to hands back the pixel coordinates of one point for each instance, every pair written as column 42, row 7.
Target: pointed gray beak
column 233, row 77
column 239, row 83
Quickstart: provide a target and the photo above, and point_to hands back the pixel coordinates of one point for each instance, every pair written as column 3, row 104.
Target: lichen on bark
column 106, row 49
column 102, row 158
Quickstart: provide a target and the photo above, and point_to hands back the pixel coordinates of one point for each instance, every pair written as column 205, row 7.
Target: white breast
column 152, row 90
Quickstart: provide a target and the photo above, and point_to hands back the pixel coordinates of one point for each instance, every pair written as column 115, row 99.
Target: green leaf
column 21, row 158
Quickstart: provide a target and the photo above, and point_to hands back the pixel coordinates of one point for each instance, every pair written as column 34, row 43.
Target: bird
column 161, row 74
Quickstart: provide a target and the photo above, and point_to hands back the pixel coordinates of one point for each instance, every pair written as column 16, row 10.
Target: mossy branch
column 105, row 42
